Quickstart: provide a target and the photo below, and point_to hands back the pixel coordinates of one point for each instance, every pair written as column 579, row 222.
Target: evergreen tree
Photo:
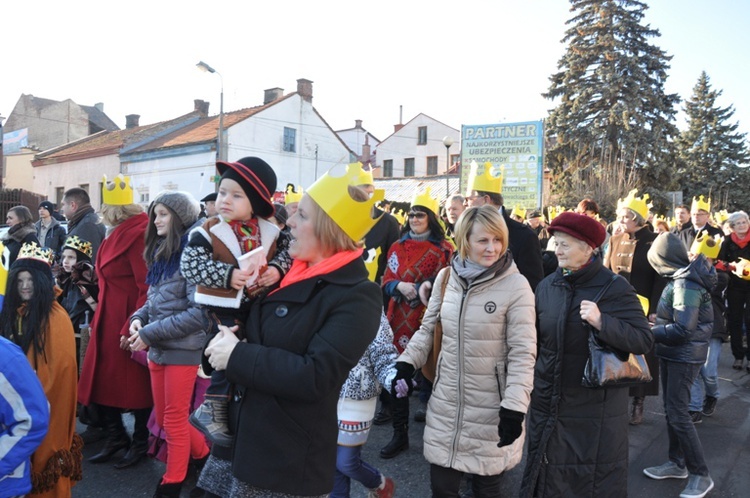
column 613, row 124
column 712, row 152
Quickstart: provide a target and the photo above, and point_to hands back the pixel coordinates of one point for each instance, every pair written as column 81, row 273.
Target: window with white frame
column 409, row 166
column 290, row 140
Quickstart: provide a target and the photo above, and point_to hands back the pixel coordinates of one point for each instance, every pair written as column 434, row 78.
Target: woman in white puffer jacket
column 485, row 368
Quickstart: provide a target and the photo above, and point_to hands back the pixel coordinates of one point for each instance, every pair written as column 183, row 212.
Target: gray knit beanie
column 667, row 254
column 183, row 204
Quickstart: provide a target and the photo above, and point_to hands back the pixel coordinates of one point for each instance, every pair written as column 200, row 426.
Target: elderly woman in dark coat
column 626, row 256
column 578, row 437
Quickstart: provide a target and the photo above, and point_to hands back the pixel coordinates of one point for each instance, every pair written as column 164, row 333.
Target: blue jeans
column 685, row 447
column 349, row 465
column 708, row 377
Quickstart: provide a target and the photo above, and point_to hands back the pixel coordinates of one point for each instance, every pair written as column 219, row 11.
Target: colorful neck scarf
column 247, row 232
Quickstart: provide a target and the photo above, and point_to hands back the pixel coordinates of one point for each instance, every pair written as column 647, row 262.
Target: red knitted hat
column 579, row 226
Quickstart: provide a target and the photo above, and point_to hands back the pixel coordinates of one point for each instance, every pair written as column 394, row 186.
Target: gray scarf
column 421, row 237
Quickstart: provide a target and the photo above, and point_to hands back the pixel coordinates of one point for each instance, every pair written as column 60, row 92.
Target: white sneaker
column 697, row 487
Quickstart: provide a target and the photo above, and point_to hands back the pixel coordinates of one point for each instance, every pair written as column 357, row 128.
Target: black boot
column 384, row 415
column 139, row 447
column 117, row 438
column 171, row 490
column 399, row 442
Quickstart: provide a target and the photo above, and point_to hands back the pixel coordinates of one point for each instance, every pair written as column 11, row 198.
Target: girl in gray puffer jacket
column 173, row 327
column 684, row 320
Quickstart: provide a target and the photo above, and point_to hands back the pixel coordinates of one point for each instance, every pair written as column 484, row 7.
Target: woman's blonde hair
column 488, row 217
column 114, row 215
column 332, row 238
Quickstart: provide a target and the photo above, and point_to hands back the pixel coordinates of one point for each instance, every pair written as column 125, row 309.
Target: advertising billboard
column 517, row 149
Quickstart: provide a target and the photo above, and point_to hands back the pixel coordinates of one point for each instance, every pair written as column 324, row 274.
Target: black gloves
column 404, row 371
column 510, row 426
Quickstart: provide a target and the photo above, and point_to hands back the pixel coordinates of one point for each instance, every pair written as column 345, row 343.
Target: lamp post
column 447, row 141
column 220, row 152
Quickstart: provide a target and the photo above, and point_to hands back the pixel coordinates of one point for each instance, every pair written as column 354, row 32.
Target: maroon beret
column 579, row 226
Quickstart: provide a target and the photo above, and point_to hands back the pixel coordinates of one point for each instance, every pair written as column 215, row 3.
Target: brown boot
column 636, row 413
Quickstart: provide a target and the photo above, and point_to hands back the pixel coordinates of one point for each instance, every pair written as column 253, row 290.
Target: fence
column 19, row 197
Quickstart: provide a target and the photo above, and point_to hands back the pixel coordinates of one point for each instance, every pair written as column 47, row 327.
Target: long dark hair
column 34, row 325
column 436, row 229
column 158, row 247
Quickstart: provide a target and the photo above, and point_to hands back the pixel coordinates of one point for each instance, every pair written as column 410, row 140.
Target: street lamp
column 220, row 152
column 447, row 141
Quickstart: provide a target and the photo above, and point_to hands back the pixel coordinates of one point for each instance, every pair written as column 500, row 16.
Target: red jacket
column 109, row 376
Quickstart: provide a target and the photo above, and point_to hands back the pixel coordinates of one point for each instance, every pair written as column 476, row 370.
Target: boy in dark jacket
column 684, row 320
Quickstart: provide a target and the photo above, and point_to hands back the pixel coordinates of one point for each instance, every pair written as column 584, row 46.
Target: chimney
column 366, row 151
column 272, row 94
column 304, row 88
column 358, row 124
column 131, row 121
column 400, row 119
column 201, row 107
column 99, row 106
column 397, row 127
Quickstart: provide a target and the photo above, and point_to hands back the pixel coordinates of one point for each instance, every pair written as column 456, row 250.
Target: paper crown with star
column 519, row 211
column 487, row 178
column 700, row 204
column 426, row 200
column 638, row 204
column 707, row 245
column 553, row 211
column 78, row 244
column 721, row 216
column 118, row 191
column 33, row 257
column 331, row 193
column 399, row 215
column 290, row 196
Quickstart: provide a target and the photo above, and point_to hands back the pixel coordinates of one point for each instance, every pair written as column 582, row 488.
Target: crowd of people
column 255, row 341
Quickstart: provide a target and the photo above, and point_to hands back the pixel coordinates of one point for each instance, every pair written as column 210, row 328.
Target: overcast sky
column 468, row 62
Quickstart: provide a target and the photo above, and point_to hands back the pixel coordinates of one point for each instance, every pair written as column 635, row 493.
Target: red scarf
column 247, row 232
column 300, row 270
column 741, row 242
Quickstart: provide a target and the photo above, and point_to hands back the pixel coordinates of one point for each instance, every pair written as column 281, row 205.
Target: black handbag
column 610, row 367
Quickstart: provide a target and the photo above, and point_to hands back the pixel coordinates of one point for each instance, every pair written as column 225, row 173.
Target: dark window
column 85, row 186
column 432, row 165
column 422, row 135
column 290, row 140
column 388, row 168
column 59, row 192
column 409, row 167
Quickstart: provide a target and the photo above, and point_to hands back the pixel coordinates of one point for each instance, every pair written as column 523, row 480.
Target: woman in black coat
column 302, row 340
column 578, row 436
column 22, row 231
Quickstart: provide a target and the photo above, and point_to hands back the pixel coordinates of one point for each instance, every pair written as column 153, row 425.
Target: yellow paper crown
column 118, row 192
column 363, row 178
column 371, row 262
column 332, row 195
column 3, row 272
column 400, row 216
column 292, row 196
column 489, row 179
column 426, row 200
column 78, row 244
column 700, row 204
column 742, row 268
column 637, row 204
column 707, row 245
column 31, row 250
column 518, row 211
column 553, row 211
column 721, row 216
column 672, row 222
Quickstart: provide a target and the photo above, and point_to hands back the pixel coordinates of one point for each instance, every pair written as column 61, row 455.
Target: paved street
column 725, row 437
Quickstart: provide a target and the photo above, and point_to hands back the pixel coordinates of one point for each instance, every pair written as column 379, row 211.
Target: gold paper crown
column 637, row 204
column 490, row 179
column 553, row 211
column 400, row 216
column 118, row 192
column 31, row 250
column 292, row 196
column 332, row 195
column 721, row 216
column 672, row 222
column 3, row 272
column 701, row 204
column 707, row 245
column 363, row 178
column 371, row 262
column 426, row 200
column 742, row 268
column 78, row 244
column 518, row 211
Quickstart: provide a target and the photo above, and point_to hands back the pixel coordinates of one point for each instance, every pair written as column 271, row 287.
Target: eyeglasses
column 419, row 216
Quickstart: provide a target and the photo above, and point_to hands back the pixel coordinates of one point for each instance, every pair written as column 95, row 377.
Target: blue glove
column 404, row 371
column 510, row 426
